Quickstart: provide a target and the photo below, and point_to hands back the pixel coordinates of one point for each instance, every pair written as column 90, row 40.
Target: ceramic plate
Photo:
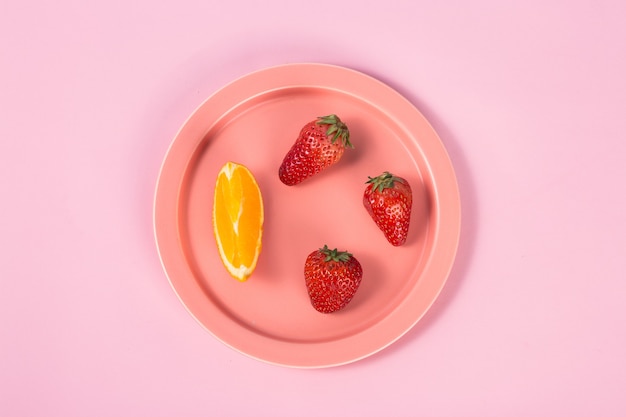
column 254, row 121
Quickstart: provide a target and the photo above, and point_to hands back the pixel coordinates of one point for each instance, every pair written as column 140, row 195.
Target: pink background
column 529, row 100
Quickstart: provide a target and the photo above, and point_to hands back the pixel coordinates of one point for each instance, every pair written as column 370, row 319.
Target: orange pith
column 238, row 219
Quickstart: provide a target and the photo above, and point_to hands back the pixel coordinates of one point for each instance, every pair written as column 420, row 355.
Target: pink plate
column 254, row 121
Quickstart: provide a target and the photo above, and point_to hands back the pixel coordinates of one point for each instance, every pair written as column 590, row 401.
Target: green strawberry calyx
column 335, row 255
column 384, row 180
column 336, row 129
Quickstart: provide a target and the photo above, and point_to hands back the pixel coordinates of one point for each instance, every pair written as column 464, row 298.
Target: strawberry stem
column 385, row 180
column 337, row 129
column 335, row 255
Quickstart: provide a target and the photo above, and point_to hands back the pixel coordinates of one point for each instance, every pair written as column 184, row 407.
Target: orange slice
column 238, row 219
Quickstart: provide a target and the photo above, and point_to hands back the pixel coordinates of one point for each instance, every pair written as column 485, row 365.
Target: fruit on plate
column 388, row 200
column 319, row 145
column 332, row 278
column 238, row 219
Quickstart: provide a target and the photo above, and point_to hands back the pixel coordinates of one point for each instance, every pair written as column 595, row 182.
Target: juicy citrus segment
column 238, row 219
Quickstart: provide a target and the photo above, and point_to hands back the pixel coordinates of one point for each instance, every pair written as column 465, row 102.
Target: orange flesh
column 238, row 220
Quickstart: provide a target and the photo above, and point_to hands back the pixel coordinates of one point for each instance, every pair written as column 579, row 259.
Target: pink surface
column 528, row 99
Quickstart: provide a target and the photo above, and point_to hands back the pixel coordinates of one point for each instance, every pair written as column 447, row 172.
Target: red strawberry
column 388, row 199
column 331, row 278
column 319, row 145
